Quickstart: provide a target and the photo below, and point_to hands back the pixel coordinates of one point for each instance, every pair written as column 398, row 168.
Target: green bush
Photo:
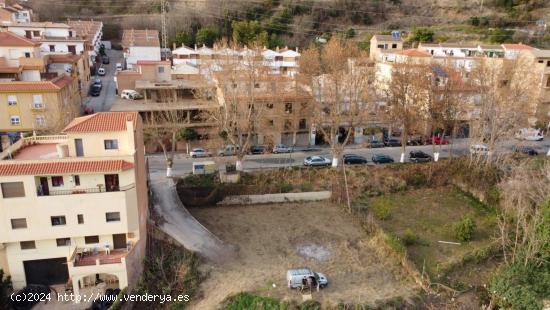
column 306, row 186
column 410, row 237
column 393, row 242
column 492, row 196
column 381, row 207
column 310, row 305
column 248, row 301
column 5, row 288
column 464, row 229
column 285, row 187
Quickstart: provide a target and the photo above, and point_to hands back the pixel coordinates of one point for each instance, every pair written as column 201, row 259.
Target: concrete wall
column 275, row 198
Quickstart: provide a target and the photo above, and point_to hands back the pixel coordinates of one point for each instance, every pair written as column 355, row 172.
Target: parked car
column 229, row 150
column 118, row 66
column 479, row 149
column 419, row 157
column 98, row 82
column 439, row 140
column 95, row 90
column 317, row 161
column 527, row 150
column 130, row 94
column 101, row 71
column 105, row 60
column 281, row 148
column 199, row 152
column 392, row 142
column 294, row 277
column 529, row 134
column 381, row 159
column 257, row 149
column 415, row 140
column 352, row 159
column 88, row 110
column 375, row 143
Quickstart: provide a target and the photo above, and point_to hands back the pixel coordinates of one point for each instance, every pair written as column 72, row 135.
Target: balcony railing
column 38, row 106
column 94, row 256
column 76, row 191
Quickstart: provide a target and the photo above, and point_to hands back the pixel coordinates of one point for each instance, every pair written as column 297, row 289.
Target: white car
column 101, row 71
column 281, row 148
column 118, row 66
column 479, row 149
column 199, row 152
column 317, row 161
column 130, row 94
column 529, row 134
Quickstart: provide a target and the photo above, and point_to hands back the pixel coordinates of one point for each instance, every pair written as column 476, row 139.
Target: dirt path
column 182, row 226
column 270, row 238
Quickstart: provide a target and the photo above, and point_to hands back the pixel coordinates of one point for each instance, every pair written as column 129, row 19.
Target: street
column 183, row 164
column 105, row 100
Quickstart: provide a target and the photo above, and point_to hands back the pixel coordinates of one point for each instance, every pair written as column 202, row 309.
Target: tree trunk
column 334, row 161
column 403, row 144
column 239, row 164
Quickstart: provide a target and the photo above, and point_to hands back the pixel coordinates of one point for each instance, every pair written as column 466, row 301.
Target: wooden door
column 119, row 241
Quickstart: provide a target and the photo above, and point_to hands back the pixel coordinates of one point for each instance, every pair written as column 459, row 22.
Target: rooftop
column 37, row 151
column 102, row 122
column 124, row 105
column 414, row 53
column 134, row 37
column 8, row 38
column 173, row 84
column 27, row 86
column 62, row 166
column 519, row 46
column 86, row 28
column 37, row 25
column 384, row 37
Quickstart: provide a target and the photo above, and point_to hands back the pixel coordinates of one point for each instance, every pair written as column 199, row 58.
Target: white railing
column 21, row 143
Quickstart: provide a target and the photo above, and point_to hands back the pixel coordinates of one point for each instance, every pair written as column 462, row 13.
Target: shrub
column 306, row 186
column 381, row 207
column 492, row 196
column 464, row 229
column 310, row 305
column 410, row 237
column 393, row 242
column 249, row 301
column 285, row 187
column 5, row 288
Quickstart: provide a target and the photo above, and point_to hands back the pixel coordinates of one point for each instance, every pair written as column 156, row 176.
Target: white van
column 529, row 134
column 479, row 149
column 130, row 94
column 294, row 277
column 229, row 150
column 118, row 66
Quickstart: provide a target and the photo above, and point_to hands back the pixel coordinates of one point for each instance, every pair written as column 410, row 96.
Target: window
column 15, row 120
column 234, row 85
column 302, row 124
column 548, row 63
column 394, row 45
column 63, row 241
column 256, row 85
column 269, row 105
column 40, row 121
column 58, row 220
column 288, row 125
column 57, row 181
column 112, row 216
column 161, row 69
column 27, row 245
column 288, row 107
column 91, row 239
column 548, row 82
column 52, row 48
column 380, row 46
column 27, row 55
column 37, row 101
column 76, row 179
column 110, row 144
column 36, row 33
column 18, row 223
column 12, row 100
column 12, row 189
column 80, row 218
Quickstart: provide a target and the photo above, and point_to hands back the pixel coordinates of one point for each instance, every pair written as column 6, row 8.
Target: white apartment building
column 140, row 45
column 73, row 207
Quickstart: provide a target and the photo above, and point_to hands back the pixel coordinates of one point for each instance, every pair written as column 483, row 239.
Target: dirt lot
column 273, row 238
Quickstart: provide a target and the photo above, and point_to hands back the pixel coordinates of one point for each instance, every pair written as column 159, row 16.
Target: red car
column 437, row 140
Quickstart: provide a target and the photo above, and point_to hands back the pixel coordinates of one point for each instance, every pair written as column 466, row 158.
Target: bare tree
column 506, row 94
column 340, row 88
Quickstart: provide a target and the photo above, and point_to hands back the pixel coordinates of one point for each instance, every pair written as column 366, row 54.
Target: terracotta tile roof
column 101, row 122
column 519, row 46
column 153, row 62
column 38, row 25
column 63, row 167
column 134, row 37
column 8, row 38
column 22, row 86
column 53, row 58
column 86, row 28
column 415, row 53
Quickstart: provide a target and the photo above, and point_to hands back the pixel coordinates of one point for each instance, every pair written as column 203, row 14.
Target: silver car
column 317, row 161
column 199, row 152
column 281, row 148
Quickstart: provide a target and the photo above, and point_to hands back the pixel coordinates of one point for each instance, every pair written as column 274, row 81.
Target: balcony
column 31, row 63
column 75, row 191
column 93, row 257
column 38, row 106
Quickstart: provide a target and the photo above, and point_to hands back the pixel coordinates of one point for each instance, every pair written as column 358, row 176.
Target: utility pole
column 164, row 35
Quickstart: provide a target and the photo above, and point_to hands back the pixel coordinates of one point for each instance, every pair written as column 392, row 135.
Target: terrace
column 33, row 148
column 87, row 257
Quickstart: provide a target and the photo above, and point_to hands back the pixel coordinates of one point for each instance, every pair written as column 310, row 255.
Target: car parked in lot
column 98, row 82
column 229, row 150
column 257, row 150
column 479, row 149
column 317, row 161
column 118, row 66
column 439, row 140
column 419, row 157
column 101, row 71
column 353, row 159
column 130, row 94
column 374, row 143
column 527, row 150
column 199, row 152
column 415, row 140
column 381, row 159
column 281, row 148
column 392, row 142
column 105, row 60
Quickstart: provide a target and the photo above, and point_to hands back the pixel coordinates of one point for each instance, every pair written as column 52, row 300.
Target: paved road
column 104, row 101
column 183, row 163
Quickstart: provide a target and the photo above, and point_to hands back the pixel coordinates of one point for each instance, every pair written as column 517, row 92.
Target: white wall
column 142, row 53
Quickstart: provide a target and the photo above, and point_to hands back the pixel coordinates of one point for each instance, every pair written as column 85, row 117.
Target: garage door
column 286, row 138
column 302, row 139
column 47, row 271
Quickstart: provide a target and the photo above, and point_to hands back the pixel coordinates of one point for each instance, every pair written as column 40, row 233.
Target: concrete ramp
column 182, row 226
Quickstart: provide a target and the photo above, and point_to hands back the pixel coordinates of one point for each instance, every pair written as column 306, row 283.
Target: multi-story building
column 15, row 13
column 380, row 43
column 73, row 207
column 38, row 105
column 140, row 45
column 20, row 58
column 92, row 32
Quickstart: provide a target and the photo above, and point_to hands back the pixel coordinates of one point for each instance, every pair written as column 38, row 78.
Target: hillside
column 297, row 22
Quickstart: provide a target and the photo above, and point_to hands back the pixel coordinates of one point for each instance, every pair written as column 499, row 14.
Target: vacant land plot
column 429, row 214
column 274, row 238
